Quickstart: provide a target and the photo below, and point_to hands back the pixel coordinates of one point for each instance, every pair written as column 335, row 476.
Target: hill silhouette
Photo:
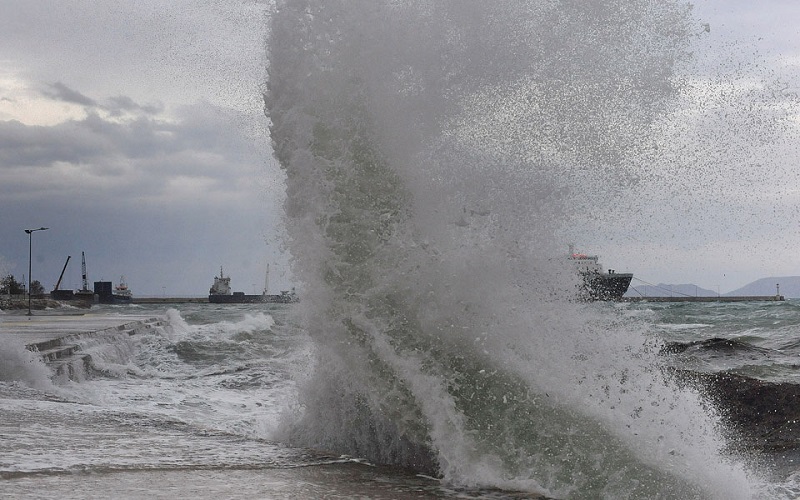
column 789, row 286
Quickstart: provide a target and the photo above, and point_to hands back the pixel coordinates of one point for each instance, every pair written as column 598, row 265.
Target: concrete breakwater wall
column 170, row 300
column 65, row 351
column 740, row 298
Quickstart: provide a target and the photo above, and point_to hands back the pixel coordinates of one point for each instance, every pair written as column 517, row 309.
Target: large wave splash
column 434, row 152
column 20, row 365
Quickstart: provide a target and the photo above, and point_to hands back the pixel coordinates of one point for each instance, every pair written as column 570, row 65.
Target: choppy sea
column 190, row 411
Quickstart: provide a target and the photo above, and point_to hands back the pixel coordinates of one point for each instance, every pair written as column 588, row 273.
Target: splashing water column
column 435, row 153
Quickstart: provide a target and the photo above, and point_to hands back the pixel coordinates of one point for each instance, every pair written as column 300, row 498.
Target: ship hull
column 241, row 298
column 606, row 286
column 236, row 298
column 121, row 299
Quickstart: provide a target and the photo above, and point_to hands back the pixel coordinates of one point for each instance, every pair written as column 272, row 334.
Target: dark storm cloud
column 60, row 92
column 97, row 140
column 92, row 139
column 35, row 146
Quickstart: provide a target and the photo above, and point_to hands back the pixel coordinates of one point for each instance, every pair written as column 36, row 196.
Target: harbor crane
column 83, row 273
column 61, row 277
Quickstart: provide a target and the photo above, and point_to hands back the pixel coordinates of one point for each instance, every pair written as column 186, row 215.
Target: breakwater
column 61, row 339
column 740, row 298
column 170, row 300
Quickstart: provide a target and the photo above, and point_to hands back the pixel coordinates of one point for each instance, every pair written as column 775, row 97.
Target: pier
column 170, row 300
column 686, row 298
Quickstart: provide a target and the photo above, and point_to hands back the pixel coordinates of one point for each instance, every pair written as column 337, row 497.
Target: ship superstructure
column 597, row 284
column 222, row 284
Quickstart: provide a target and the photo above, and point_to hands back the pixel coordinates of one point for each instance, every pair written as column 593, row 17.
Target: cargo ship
column 122, row 294
column 119, row 294
column 598, row 284
column 220, row 293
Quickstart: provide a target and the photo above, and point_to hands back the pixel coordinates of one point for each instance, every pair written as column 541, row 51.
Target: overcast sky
column 722, row 209
column 135, row 132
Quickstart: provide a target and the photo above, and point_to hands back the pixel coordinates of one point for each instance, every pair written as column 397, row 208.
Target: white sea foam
column 224, row 375
column 18, row 364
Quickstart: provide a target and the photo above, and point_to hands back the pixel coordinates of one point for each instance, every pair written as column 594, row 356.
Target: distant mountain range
column 789, row 287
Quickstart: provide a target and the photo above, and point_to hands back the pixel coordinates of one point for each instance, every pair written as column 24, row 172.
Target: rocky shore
column 763, row 417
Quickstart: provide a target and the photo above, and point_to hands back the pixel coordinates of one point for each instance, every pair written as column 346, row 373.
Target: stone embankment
column 57, row 337
column 7, row 304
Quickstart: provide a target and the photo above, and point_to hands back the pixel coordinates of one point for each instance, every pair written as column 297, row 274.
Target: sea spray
column 434, row 152
column 20, row 365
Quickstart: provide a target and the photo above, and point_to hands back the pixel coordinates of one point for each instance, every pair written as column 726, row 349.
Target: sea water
column 186, row 410
column 195, row 410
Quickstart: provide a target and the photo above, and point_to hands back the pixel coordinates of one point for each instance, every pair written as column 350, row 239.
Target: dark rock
column 761, row 416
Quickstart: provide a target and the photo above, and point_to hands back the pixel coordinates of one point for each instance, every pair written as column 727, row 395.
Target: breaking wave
column 436, row 154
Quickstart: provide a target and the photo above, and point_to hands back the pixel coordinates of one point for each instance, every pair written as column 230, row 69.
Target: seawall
column 57, row 337
column 741, row 298
column 170, row 300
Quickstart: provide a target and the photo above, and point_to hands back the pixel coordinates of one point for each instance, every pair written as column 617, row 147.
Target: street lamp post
column 30, row 254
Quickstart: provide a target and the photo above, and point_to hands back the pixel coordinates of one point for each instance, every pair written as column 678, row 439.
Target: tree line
column 10, row 286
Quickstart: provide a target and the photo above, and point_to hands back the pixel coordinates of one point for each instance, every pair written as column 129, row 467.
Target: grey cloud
column 143, row 154
column 115, row 106
column 61, row 92
column 27, row 146
column 95, row 137
column 120, row 104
